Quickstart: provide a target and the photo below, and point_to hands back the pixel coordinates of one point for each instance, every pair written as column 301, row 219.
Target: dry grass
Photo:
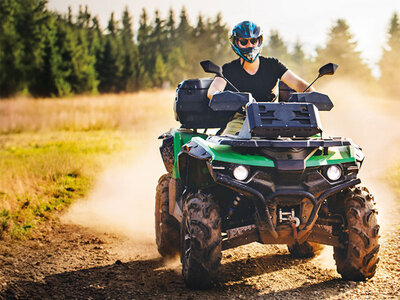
column 83, row 112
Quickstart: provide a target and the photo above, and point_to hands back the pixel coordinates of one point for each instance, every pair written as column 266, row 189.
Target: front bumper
column 270, row 194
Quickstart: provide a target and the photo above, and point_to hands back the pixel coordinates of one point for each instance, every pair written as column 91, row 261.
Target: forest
column 44, row 53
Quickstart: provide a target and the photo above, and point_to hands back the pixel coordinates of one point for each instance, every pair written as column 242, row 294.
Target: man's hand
column 218, row 85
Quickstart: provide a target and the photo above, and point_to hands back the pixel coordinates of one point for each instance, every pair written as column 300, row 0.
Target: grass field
column 52, row 149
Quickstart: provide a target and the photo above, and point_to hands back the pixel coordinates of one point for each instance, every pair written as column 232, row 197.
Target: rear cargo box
column 191, row 106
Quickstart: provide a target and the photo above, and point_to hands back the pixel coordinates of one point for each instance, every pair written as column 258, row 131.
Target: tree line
column 44, row 53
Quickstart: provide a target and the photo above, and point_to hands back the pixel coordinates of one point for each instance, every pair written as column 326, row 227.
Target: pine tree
column 276, row 47
column 299, row 63
column 63, row 69
column 184, row 29
column 158, row 46
column 144, row 66
column 143, row 32
column 96, row 40
column 184, row 40
column 200, row 29
column 221, row 51
column 11, row 49
column 22, row 24
column 69, row 17
column 32, row 23
column 160, row 72
column 129, row 74
column 112, row 25
column 390, row 61
column 84, row 17
column 108, row 68
column 341, row 49
column 78, row 61
column 194, row 49
column 109, row 65
column 298, row 56
column 53, row 78
column 175, row 66
column 84, row 66
column 158, row 35
column 170, row 29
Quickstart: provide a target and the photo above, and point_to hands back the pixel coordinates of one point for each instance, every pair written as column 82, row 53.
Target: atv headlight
column 334, row 172
column 240, row 172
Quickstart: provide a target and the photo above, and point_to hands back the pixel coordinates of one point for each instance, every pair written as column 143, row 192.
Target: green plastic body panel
column 229, row 154
column 336, row 155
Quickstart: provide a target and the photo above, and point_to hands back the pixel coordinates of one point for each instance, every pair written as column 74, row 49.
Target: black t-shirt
column 260, row 84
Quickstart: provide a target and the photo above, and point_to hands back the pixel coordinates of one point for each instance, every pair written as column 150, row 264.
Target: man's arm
column 218, row 85
column 295, row 82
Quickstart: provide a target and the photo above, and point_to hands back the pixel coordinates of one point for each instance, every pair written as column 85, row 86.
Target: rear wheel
column 201, row 248
column 358, row 260
column 167, row 228
column 305, row 250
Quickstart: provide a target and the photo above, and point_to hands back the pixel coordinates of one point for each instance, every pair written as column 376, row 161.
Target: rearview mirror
column 209, row 67
column 328, row 69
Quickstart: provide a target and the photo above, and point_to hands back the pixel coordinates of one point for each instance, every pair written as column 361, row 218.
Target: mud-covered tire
column 201, row 243
column 358, row 260
column 305, row 250
column 167, row 228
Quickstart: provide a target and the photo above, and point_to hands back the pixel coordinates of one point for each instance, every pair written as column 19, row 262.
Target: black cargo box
column 283, row 119
column 191, row 106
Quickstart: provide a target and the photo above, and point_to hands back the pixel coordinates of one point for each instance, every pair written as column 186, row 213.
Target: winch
column 288, row 217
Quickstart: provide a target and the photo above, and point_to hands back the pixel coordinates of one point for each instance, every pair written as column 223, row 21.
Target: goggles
column 253, row 41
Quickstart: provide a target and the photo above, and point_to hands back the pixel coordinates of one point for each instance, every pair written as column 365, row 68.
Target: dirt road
column 103, row 247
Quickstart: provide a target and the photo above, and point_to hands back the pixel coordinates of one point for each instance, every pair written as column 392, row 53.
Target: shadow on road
column 151, row 279
column 322, row 290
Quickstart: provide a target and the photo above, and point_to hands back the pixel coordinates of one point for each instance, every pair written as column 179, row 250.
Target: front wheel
column 201, row 247
column 358, row 260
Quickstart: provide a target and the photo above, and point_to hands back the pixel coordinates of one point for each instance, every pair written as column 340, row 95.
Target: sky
column 308, row 21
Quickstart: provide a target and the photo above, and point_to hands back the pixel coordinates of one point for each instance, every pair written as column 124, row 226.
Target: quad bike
column 278, row 181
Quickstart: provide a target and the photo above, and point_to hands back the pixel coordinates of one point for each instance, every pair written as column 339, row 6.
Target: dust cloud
column 122, row 204
column 123, row 198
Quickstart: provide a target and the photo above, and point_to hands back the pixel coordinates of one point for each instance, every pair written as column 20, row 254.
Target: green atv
column 278, row 181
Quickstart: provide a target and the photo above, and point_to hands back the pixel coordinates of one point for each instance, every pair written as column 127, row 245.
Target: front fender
column 192, row 165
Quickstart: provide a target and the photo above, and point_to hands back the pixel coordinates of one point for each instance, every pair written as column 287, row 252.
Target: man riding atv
column 278, row 181
column 251, row 72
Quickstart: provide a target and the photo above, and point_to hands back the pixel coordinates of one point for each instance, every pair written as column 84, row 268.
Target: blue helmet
column 247, row 30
